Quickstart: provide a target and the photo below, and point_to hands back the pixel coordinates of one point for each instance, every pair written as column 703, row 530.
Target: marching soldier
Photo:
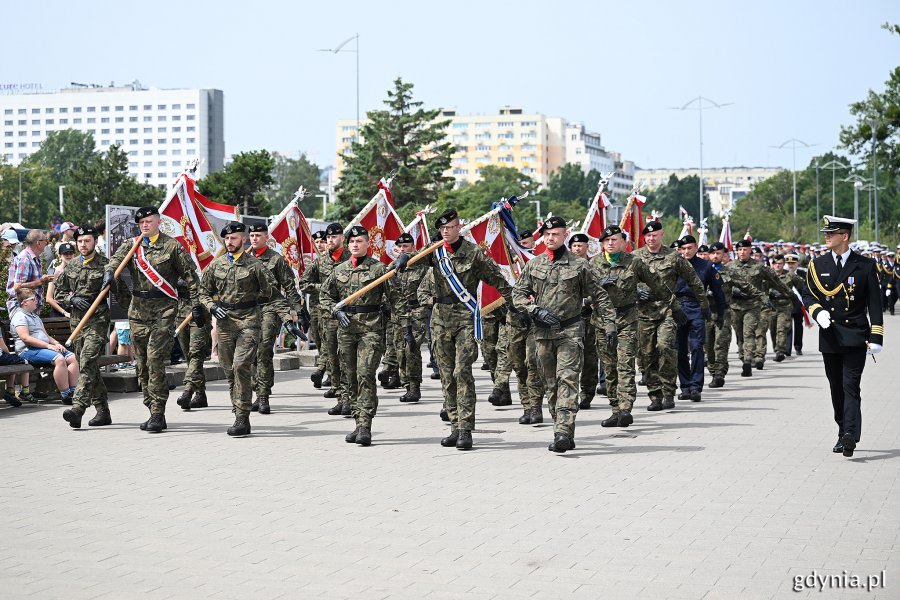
column 780, row 325
column 311, row 282
column 578, row 245
column 195, row 340
column 270, row 320
column 552, row 290
column 792, row 262
column 361, row 332
column 889, row 281
column 230, row 288
column 389, row 377
column 77, row 287
column 841, row 288
column 155, row 268
column 315, row 320
column 412, row 317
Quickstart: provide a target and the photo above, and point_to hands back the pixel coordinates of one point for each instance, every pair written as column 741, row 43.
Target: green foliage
column 62, row 151
column 678, row 192
column 243, row 182
column 40, row 194
column 289, row 174
column 406, row 138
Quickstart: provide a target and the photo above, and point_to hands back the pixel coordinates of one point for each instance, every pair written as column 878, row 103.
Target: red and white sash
column 151, row 274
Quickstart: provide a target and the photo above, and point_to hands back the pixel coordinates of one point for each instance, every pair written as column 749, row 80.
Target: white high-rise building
column 162, row 131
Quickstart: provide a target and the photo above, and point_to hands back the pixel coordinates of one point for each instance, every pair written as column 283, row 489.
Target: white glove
column 887, row 292
column 823, row 319
column 874, row 349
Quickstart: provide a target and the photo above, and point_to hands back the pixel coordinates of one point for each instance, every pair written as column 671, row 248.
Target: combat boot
column 240, row 428
column 156, row 423
column 668, row 402
column 561, row 442
column 146, row 423
column 625, row 419
column 382, row 377
column 255, row 406
column 537, row 415
column 684, row 396
column 779, row 356
column 264, row 407
column 445, row 416
column 585, row 403
column 759, row 364
column 346, row 410
column 525, row 419
column 435, row 374
column 507, row 397
column 695, row 396
column 184, row 400
column 601, row 389
column 327, row 382
column 717, row 382
column 330, row 393
column 464, row 442
column 747, row 370
column 199, row 400
column 364, row 436
column 101, row 418
column 643, row 380
column 450, row 440
column 611, row 421
column 655, row 404
column 413, row 395
column 496, row 396
column 393, row 381
column 350, row 438
column 73, row 416
column 316, row 378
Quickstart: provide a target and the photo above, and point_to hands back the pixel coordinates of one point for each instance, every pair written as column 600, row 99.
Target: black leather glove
column 342, row 317
column 644, row 294
column 720, row 321
column 612, row 339
column 386, row 310
column 409, row 338
column 82, row 304
column 679, row 316
column 304, row 319
column 775, row 294
column 586, row 311
column 108, row 279
column 197, row 316
column 706, row 313
column 609, row 280
column 523, row 318
column 400, row 262
column 737, row 292
column 545, row 317
column 218, row 311
column 770, row 304
column 292, row 328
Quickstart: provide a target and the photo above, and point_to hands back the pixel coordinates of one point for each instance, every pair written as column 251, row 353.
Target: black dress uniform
column 845, row 289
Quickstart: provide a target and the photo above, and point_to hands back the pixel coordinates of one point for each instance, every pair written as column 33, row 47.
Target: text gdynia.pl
column 844, row 580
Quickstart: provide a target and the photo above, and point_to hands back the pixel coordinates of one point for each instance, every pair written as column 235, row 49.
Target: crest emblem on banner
column 376, row 236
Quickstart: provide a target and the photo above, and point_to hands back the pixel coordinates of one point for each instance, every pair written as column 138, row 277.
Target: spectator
column 67, row 232
column 66, row 254
column 50, row 249
column 25, row 272
column 100, row 226
column 9, row 359
column 10, row 240
column 34, row 345
column 120, row 343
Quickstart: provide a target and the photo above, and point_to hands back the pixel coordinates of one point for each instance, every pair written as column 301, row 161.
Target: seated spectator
column 8, row 359
column 34, row 345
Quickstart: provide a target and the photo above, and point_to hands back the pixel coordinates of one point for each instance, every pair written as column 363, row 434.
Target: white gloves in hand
column 823, row 319
column 874, row 349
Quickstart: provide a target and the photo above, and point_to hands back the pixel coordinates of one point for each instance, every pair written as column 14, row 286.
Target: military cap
column 143, row 213
column 553, row 223
column 675, row 244
column 757, row 250
column 651, row 226
column 578, row 238
column 524, row 235
column 233, row 227
column 66, row 248
column 703, row 248
column 334, row 229
column 86, row 230
column 319, row 235
column 611, row 231
column 358, row 230
column 791, row 258
column 833, row 224
column 743, row 244
column 446, row 217
column 888, row 253
column 715, row 246
column 258, row 228
column 688, row 239
column 405, row 238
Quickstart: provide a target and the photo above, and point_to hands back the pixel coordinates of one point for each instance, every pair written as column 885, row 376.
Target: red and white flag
column 703, row 234
column 682, row 213
column 595, row 222
column 382, row 222
column 418, row 229
column 725, row 236
column 182, row 218
column 289, row 236
column 489, row 235
column 747, row 235
column 633, row 221
column 687, row 228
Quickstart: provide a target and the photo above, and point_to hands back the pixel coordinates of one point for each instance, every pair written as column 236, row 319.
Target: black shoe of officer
column 625, row 419
column 849, row 444
column 585, row 403
column 393, row 381
column 73, row 417
column 445, row 416
column 839, row 446
column 747, row 370
column 668, row 402
column 264, row 407
column 525, row 419
column 611, row 421
column 655, row 404
column 717, row 382
column 101, row 419
column 330, row 393
column 537, row 416
column 255, row 406
column 316, row 378
column 561, row 442
column 695, row 396
column 364, row 436
column 199, row 400
column 327, row 382
column 240, row 428
column 336, row 409
column 758, row 365
column 798, row 351
column 436, row 375
column 156, row 423
column 485, row 366
column 346, row 410
column 184, row 400
column 779, row 356
column 464, row 442
column 350, row 438
column 413, row 395
column 601, row 389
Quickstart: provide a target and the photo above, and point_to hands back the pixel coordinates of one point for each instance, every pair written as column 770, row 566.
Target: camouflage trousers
column 152, row 337
column 455, row 350
column 263, row 372
column 618, row 364
column 315, row 330
column 561, row 359
column 762, row 330
column 744, row 321
column 238, row 344
column 195, row 344
column 656, row 346
column 89, row 346
column 718, row 342
column 391, row 355
column 780, row 327
column 410, row 359
column 491, row 328
column 521, row 357
column 359, row 352
column 590, row 373
column 329, row 328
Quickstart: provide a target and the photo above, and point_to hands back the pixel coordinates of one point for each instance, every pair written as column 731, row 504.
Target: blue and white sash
column 459, row 290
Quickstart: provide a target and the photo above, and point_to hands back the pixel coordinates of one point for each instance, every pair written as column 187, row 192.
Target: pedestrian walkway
column 731, row 498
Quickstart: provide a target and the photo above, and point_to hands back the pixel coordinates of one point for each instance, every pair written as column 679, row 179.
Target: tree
column 471, row 200
column 62, row 151
column 39, row 195
column 289, row 174
column 405, row 138
column 243, row 182
column 675, row 193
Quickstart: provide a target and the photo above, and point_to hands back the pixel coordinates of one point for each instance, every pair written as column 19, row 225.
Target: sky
column 790, row 68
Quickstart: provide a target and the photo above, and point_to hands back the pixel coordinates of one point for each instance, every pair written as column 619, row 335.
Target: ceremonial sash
column 459, row 290
column 153, row 276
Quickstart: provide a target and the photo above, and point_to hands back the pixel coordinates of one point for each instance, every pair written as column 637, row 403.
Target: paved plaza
column 734, row 497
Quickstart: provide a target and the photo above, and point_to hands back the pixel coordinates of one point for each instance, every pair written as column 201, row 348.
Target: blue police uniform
column 691, row 336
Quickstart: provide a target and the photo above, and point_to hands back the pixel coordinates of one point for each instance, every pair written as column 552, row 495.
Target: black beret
column 611, row 231
column 553, row 222
column 717, row 246
column 703, row 248
column 258, row 228
column 448, row 215
column 688, row 239
column 578, row 238
column 524, row 235
column 233, row 227
column 757, row 250
column 143, row 213
column 66, row 248
column 675, row 244
column 743, row 244
column 358, row 230
column 86, row 230
column 405, row 238
column 651, row 226
column 334, row 229
column 319, row 235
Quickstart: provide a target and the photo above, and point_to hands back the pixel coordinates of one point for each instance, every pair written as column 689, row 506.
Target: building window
column 161, row 107
column 23, row 111
column 104, row 142
column 148, row 163
column 120, row 119
column 191, row 106
column 176, row 152
column 505, row 124
column 148, row 141
column 148, row 152
column 132, row 165
column 35, row 121
column 161, row 118
column 104, row 119
column 460, row 171
column 176, row 140
column 35, row 133
column 161, row 175
column 191, row 140
column 77, row 120
column 176, row 129
column 147, row 119
column 161, row 129
column 161, row 141
column 64, row 110
column 132, row 107
column 92, row 109
column 132, row 119
column 134, row 143
column 161, row 163
column 161, row 152
column 8, row 123
column 23, row 121
column 35, row 144
column 35, row 111
column 176, row 117
column 191, row 152
column 92, row 119
column 148, row 130
column 132, row 130
column 104, row 132
column 49, row 111
column 7, row 111
column 148, row 107
column 77, row 109
column 190, row 129
column 176, row 107
column 190, row 117
column 120, row 142
column 104, row 109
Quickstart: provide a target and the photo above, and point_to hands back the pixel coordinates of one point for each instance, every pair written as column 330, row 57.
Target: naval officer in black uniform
column 841, row 287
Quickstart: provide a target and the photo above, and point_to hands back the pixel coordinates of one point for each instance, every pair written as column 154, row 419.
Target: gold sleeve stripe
column 878, row 329
column 813, row 307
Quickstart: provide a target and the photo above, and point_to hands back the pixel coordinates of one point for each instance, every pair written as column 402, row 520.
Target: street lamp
column 698, row 105
column 20, row 169
column 817, row 198
column 875, row 175
column 339, row 48
column 793, row 145
column 537, row 206
column 324, row 198
column 834, row 166
column 858, row 183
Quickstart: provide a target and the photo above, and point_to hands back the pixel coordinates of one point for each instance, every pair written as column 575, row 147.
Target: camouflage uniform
column 195, row 343
column 361, row 345
column 236, row 284
column 746, row 306
column 83, row 278
column 311, row 282
column 491, row 327
column 520, row 355
column 656, row 327
column 409, row 313
column 718, row 341
column 780, row 323
column 270, row 321
column 152, row 313
column 560, row 286
column 391, row 357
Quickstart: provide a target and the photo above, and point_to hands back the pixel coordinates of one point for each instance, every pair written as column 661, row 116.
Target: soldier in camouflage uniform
column 453, row 325
column 311, row 282
column 780, row 324
column 153, row 307
column 231, row 287
column 657, row 314
column 552, row 290
column 389, row 377
column 410, row 331
column 77, row 287
column 315, row 319
column 361, row 333
column 619, row 274
column 195, row 340
column 286, row 290
column 578, row 244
